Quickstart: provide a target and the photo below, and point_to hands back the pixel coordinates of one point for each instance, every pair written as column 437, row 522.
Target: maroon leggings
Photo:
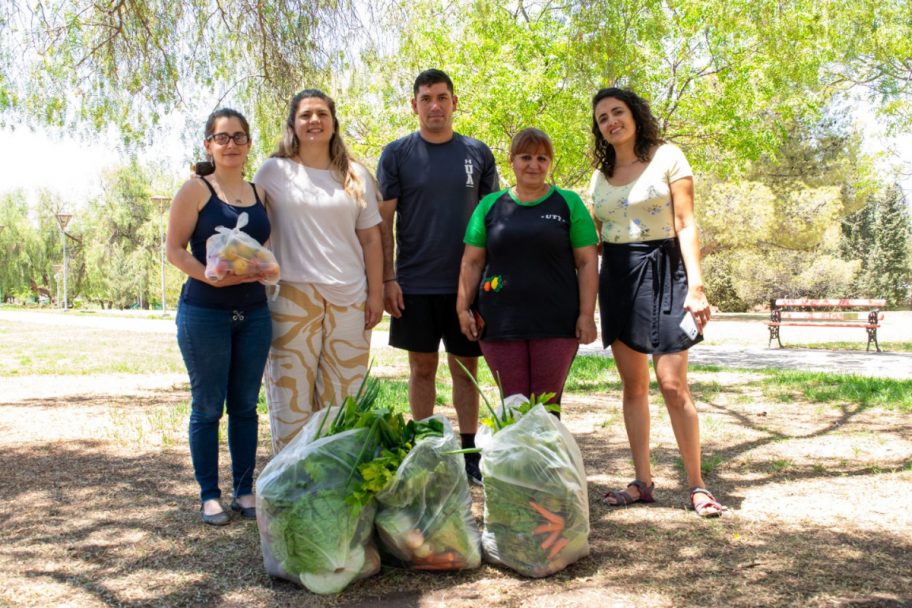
column 531, row 366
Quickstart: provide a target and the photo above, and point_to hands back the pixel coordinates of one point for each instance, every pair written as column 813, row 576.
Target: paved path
column 887, row 365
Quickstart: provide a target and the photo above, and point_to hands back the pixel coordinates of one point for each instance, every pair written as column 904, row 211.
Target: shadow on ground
column 81, row 525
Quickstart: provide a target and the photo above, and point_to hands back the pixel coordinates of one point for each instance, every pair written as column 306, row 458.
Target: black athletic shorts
column 425, row 320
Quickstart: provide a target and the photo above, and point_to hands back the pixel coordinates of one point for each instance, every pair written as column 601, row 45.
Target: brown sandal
column 622, row 498
column 701, row 509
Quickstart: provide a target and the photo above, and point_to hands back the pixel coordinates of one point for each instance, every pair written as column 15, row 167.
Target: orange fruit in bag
column 245, row 251
column 229, row 253
column 270, row 270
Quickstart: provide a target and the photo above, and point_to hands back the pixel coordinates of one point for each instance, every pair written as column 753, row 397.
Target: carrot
column 443, row 566
column 555, row 519
column 547, row 527
column 440, row 561
column 550, row 540
column 557, row 547
column 441, row 558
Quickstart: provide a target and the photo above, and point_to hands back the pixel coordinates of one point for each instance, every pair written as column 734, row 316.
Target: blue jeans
column 225, row 353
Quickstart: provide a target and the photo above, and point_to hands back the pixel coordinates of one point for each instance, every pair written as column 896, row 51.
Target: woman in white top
column 651, row 296
column 326, row 238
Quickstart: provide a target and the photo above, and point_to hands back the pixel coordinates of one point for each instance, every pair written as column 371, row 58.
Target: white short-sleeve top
column 641, row 210
column 313, row 227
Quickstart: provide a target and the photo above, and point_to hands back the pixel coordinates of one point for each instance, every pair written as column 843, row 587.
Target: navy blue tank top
column 216, row 212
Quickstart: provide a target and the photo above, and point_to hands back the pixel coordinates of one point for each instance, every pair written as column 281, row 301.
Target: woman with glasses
column 326, row 239
column 223, row 326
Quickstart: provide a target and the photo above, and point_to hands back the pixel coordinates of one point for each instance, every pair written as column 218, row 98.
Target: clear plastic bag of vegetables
column 424, row 515
column 309, row 533
column 536, row 518
column 232, row 250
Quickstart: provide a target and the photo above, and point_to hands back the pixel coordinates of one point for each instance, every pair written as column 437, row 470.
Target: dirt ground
column 99, row 506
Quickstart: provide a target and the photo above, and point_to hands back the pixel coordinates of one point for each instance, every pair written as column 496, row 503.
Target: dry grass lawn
column 29, row 349
column 99, row 505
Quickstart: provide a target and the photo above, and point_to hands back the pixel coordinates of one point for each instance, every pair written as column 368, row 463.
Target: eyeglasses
column 222, row 138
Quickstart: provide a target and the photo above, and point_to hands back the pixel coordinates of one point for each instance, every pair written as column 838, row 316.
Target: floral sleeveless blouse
column 641, row 210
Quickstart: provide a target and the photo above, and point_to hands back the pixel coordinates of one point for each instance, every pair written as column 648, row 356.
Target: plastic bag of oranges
column 230, row 250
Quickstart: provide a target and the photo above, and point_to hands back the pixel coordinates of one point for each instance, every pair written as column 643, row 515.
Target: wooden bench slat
column 846, row 316
column 862, row 319
column 865, row 325
column 830, row 302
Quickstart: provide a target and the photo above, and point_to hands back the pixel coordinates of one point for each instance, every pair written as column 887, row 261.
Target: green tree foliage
column 31, row 244
column 722, row 76
column 762, row 275
column 745, row 87
column 116, row 275
column 716, row 74
column 21, row 256
column 510, row 72
column 879, row 235
column 113, row 242
column 792, row 197
column 775, row 232
column 875, row 58
column 121, row 261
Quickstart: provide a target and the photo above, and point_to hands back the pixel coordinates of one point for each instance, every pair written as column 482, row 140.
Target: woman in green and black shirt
column 531, row 259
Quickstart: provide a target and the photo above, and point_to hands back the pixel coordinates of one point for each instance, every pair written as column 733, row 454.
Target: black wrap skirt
column 642, row 288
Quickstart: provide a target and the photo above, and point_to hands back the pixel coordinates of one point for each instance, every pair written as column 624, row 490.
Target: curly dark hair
column 647, row 129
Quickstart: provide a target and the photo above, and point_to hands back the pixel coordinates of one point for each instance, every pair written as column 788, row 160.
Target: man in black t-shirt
column 431, row 182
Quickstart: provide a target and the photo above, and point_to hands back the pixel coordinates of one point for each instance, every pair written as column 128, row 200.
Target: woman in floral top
column 650, row 285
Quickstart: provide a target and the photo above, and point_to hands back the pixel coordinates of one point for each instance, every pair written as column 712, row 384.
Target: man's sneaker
column 472, row 470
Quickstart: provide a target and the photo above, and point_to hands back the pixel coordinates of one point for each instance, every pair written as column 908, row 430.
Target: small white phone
column 689, row 326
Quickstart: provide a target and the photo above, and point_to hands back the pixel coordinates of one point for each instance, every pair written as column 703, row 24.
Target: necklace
column 237, row 199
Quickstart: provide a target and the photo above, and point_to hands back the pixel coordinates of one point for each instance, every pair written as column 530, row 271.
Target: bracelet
column 388, row 280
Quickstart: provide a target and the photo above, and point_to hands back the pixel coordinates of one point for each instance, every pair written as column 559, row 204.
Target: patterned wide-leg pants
column 319, row 354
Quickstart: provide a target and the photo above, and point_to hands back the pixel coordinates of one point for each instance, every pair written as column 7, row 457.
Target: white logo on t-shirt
column 469, row 171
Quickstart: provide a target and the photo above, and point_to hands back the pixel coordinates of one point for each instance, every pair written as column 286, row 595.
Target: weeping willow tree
column 86, row 65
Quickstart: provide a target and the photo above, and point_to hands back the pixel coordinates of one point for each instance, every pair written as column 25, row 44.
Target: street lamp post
column 57, row 268
column 63, row 219
column 1, row 286
column 163, row 202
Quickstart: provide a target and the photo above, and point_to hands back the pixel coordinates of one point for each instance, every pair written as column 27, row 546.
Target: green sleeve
column 476, row 233
column 582, row 228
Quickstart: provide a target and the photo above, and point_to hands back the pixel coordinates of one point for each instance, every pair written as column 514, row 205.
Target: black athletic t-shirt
column 529, row 289
column 438, row 187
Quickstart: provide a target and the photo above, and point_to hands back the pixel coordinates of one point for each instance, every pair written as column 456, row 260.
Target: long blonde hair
column 342, row 161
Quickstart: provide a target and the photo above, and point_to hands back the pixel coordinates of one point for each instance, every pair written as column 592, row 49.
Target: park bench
column 784, row 314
